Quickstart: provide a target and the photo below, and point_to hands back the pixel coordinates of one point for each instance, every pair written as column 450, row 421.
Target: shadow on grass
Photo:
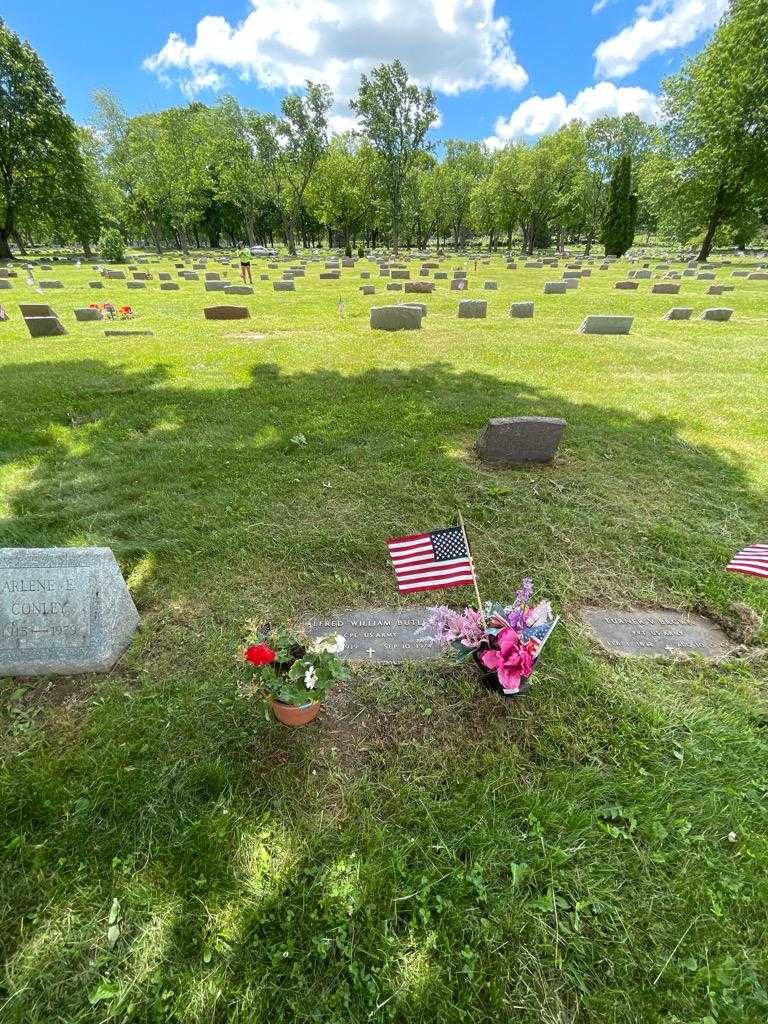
column 295, row 481
column 456, row 874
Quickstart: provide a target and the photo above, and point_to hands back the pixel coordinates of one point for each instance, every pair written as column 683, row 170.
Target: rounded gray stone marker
column 514, row 440
column 63, row 611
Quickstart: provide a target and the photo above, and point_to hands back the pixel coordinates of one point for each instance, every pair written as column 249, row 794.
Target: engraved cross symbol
column 370, row 652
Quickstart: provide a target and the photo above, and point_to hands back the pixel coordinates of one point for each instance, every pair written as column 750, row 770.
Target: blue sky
column 502, row 69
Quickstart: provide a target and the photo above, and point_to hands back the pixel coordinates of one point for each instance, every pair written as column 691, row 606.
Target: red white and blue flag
column 752, row 561
column 431, row 561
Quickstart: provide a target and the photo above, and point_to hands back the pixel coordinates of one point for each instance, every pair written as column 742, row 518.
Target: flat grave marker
column 653, row 634
column 381, row 635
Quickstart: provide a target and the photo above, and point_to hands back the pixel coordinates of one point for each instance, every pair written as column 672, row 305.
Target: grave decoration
column 752, row 561
column 504, row 641
column 294, row 672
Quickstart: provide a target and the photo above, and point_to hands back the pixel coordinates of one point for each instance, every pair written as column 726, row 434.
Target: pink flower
column 510, row 658
column 539, row 614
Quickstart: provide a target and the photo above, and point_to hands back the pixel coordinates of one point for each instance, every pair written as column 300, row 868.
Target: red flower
column 260, row 654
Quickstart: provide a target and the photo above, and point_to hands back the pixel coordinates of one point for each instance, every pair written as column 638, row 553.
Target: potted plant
column 294, row 673
column 504, row 641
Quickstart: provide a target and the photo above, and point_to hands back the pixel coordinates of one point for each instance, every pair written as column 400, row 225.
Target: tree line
column 200, row 175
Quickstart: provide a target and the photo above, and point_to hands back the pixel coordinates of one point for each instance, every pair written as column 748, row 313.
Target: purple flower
column 448, row 626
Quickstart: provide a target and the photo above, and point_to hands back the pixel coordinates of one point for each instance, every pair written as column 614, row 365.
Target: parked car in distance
column 259, row 250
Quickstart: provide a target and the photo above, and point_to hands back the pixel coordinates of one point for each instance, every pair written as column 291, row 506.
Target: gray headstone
column 555, row 288
column 50, row 284
column 706, row 276
column 62, row 611
column 421, row 306
column 215, row 286
column 44, row 326
column 367, row 289
column 227, row 312
column 401, row 275
column 85, row 314
column 521, row 310
column 716, row 289
column 758, row 275
column 383, row 635
column 136, row 285
column 512, row 440
column 283, row 286
column 95, row 284
column 627, row 286
column 237, row 289
column 420, row 287
column 473, row 309
column 679, row 313
column 491, row 286
column 395, row 318
column 169, row 286
column 127, row 333
column 720, row 315
column 666, row 289
column 4, row 284
column 458, row 284
column 607, row 325
column 652, row 634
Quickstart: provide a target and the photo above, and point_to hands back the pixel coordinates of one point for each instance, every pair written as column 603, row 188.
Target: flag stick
column 474, row 574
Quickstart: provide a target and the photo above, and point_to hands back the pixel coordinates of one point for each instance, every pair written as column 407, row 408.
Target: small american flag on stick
column 431, row 561
column 752, row 561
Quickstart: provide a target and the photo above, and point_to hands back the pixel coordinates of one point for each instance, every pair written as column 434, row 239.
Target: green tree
column 290, row 148
column 336, row 193
column 37, row 139
column 111, row 246
column 716, row 111
column 619, row 227
column 396, row 116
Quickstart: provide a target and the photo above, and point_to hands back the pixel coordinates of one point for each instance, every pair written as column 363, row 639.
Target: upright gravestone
column 515, row 440
column 62, row 611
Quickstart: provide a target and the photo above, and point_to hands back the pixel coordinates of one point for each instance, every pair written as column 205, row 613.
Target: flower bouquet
column 504, row 641
column 295, row 673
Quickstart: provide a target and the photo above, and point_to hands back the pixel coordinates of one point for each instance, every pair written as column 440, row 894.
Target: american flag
column 753, row 561
column 431, row 561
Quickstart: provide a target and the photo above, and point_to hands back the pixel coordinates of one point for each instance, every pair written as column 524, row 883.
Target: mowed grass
column 424, row 852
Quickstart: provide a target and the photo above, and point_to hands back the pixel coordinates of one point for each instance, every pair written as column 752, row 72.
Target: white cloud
column 600, row 5
column 540, row 115
column 678, row 23
column 451, row 45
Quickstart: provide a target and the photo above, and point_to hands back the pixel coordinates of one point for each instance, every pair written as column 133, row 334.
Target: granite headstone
column 62, row 611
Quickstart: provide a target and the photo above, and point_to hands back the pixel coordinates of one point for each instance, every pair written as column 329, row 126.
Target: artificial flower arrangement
column 295, row 672
column 504, row 641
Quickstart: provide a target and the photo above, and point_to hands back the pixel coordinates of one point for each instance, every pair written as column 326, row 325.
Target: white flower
column 732, row 837
column 333, row 644
column 310, row 677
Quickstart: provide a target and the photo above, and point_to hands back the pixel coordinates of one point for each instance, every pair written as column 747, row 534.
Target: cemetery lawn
column 424, row 852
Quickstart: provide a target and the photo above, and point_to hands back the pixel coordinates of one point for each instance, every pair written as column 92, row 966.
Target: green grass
column 424, row 852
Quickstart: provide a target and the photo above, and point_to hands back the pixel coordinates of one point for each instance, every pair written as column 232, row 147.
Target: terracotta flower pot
column 290, row 715
column 490, row 680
